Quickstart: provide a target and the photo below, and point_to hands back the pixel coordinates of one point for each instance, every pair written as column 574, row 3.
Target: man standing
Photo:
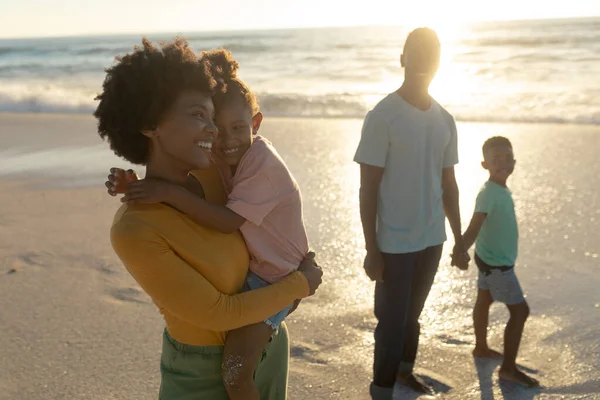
column 407, row 153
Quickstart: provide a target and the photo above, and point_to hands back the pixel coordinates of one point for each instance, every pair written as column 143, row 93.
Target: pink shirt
column 264, row 192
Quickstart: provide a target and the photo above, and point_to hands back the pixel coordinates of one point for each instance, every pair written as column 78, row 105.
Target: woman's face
column 187, row 132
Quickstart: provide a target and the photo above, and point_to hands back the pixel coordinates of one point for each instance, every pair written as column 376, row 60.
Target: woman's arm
column 185, row 293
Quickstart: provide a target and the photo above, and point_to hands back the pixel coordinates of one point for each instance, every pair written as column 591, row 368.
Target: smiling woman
column 158, row 92
column 156, row 109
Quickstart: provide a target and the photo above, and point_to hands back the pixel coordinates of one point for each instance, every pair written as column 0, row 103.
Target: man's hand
column 374, row 265
column 147, row 191
column 118, row 180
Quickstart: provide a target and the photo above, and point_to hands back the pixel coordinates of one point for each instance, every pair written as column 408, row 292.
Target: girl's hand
column 148, row 191
column 118, row 180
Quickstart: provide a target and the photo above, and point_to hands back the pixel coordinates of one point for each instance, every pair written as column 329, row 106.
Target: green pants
column 194, row 372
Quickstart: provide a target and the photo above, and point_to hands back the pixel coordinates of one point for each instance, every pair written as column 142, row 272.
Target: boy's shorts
column 501, row 282
column 255, row 282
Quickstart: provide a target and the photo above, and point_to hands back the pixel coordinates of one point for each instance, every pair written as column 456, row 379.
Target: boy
column 494, row 231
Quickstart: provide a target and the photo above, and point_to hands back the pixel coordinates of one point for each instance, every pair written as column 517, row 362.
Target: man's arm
column 451, row 202
column 473, row 230
column 450, row 198
column 370, row 179
column 372, row 154
column 205, row 213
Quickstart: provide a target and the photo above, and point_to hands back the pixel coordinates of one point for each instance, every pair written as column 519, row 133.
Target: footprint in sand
column 306, row 354
column 25, row 260
column 104, row 268
column 31, row 258
column 129, row 295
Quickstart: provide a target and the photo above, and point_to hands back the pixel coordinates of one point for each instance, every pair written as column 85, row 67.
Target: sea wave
column 337, row 105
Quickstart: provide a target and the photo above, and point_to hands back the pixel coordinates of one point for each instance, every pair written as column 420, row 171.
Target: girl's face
column 237, row 127
column 185, row 136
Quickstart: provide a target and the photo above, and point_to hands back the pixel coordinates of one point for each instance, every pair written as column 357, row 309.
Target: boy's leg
column 505, row 288
column 242, row 350
column 512, row 340
column 481, row 313
column 425, row 271
column 392, row 300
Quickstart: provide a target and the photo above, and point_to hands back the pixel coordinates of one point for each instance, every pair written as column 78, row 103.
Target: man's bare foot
column 414, row 382
column 517, row 376
column 486, row 352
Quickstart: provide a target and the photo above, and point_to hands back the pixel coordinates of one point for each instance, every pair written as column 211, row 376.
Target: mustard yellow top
column 194, row 274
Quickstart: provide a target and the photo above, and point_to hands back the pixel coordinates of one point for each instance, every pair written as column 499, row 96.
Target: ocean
column 519, row 71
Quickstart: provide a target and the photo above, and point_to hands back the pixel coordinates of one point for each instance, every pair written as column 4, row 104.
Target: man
column 407, row 154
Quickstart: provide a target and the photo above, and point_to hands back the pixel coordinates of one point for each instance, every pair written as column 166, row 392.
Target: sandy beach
column 76, row 326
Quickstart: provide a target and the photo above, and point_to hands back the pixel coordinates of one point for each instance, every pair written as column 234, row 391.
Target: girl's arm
column 204, row 212
column 137, row 190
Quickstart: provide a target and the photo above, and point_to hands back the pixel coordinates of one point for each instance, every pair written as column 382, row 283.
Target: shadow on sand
column 486, row 371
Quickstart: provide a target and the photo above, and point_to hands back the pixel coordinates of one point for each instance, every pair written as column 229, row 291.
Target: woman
column 156, row 110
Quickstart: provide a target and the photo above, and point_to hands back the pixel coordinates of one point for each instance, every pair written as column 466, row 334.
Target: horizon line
column 257, row 29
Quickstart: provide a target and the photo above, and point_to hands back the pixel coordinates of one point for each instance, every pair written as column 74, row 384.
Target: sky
column 41, row 18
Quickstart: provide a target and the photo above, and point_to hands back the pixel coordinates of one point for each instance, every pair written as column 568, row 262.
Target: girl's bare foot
column 517, row 376
column 486, row 352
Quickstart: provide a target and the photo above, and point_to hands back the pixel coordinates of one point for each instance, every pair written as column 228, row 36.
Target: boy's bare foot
column 414, row 382
column 486, row 352
column 517, row 376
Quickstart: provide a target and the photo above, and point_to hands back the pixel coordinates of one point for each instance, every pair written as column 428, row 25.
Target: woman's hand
column 312, row 272
column 118, row 180
column 295, row 306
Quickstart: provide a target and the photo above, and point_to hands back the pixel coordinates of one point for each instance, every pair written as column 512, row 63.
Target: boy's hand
column 118, row 180
column 147, row 191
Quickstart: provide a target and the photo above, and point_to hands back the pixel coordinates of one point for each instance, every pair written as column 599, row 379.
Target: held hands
column 459, row 257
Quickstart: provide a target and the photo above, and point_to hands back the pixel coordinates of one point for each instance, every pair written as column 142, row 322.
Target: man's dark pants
column 399, row 300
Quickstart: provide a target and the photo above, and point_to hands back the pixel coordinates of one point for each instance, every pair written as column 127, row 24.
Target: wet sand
column 76, row 326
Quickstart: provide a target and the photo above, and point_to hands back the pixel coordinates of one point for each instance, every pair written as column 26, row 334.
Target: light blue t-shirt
column 498, row 241
column 413, row 146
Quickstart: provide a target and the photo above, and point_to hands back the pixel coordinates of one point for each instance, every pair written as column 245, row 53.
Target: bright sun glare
column 449, row 81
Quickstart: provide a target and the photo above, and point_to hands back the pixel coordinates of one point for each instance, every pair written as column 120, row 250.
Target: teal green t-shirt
column 498, row 241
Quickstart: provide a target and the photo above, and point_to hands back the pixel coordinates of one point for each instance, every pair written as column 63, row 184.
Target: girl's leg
column 243, row 348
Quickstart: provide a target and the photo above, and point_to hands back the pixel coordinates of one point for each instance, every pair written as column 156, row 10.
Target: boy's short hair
column 495, row 141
